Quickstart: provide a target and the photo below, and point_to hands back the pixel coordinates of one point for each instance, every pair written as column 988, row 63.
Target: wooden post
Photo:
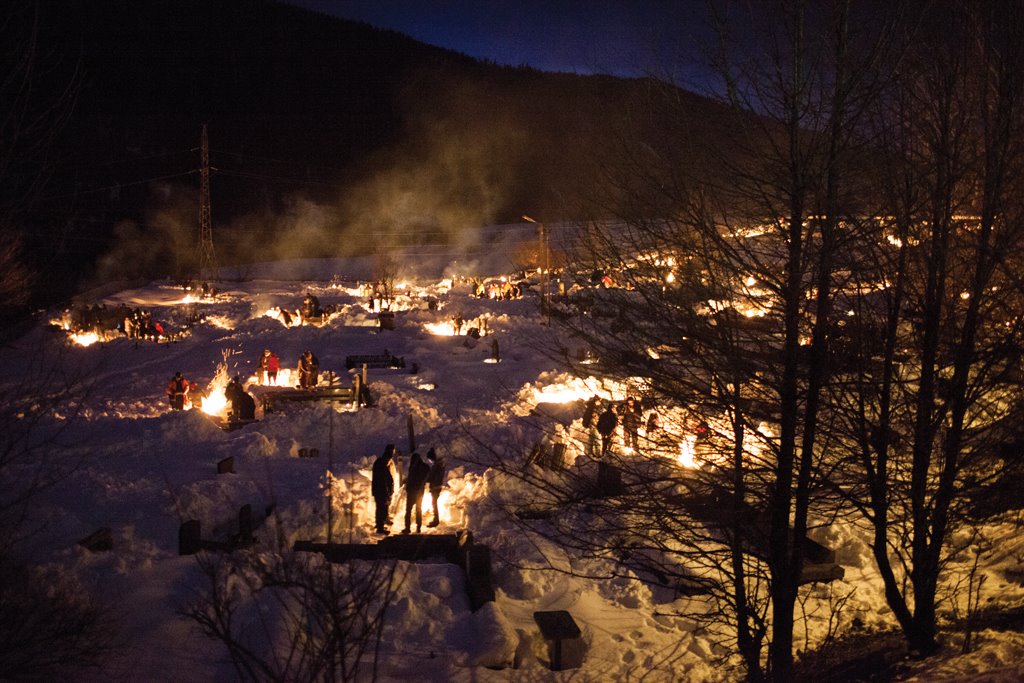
column 357, row 391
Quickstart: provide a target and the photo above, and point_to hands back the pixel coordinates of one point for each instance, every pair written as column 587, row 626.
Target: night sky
column 656, row 37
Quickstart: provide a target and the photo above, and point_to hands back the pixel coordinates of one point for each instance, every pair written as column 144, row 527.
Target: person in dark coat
column 309, row 369
column 382, row 486
column 435, row 481
column 631, row 421
column 606, row 425
column 243, row 407
column 414, row 484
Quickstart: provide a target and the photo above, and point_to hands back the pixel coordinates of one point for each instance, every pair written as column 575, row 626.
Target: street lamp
column 543, row 236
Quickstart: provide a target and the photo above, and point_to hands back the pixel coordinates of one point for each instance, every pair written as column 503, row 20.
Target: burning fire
column 84, row 338
column 215, row 402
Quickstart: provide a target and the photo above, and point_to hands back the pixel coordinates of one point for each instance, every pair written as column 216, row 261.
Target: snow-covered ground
column 143, row 469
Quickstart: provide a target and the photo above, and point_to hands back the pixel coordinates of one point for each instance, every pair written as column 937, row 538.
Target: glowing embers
column 215, row 401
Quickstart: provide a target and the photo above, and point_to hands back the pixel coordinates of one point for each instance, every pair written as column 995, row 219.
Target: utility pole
column 207, row 261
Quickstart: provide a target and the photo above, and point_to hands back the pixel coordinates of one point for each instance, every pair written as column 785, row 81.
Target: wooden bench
column 272, row 399
column 379, row 361
column 565, row 643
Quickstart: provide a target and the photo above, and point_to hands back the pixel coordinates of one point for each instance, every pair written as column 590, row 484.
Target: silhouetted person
column 382, row 486
column 606, row 425
column 414, row 483
column 435, row 481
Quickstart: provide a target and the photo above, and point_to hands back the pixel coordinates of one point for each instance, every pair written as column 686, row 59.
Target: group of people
column 311, row 307
column 604, row 422
column 502, row 291
column 269, row 365
column 106, row 323
column 424, row 473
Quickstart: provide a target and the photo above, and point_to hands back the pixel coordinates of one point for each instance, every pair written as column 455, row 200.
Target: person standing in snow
column 382, row 486
column 631, row 420
column 435, row 480
column 269, row 365
column 606, row 425
column 243, row 407
column 177, row 390
column 415, row 481
column 309, row 368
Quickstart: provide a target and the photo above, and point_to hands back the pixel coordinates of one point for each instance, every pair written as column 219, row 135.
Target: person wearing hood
column 382, row 486
column 435, row 480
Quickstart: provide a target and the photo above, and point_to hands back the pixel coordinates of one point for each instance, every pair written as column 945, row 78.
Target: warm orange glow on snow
column 445, row 329
column 84, row 338
column 686, row 451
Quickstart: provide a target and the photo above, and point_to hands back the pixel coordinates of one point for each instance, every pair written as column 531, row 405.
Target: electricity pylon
column 207, row 261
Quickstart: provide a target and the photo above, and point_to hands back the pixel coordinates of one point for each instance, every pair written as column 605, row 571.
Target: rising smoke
column 449, row 175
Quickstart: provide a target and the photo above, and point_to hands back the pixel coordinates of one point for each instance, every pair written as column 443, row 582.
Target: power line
column 256, row 157
column 119, row 186
column 259, row 176
column 146, row 158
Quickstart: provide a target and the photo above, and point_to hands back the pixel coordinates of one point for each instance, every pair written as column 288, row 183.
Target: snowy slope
column 143, row 469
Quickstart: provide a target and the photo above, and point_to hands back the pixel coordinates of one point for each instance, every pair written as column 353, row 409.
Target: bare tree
column 727, row 265
column 385, row 272
column 49, row 625
column 931, row 399
column 32, row 117
column 288, row 617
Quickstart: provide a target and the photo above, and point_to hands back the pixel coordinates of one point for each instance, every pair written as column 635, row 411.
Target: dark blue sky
column 624, row 37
